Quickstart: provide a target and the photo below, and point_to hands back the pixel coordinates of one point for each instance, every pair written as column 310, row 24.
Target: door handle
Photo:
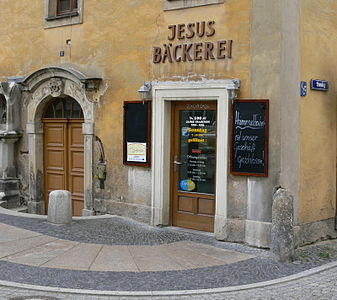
column 176, row 163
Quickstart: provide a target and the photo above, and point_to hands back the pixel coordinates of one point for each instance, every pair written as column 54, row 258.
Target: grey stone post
column 282, row 232
column 59, row 208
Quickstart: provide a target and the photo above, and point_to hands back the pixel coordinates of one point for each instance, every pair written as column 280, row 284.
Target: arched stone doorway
column 63, row 147
column 39, row 89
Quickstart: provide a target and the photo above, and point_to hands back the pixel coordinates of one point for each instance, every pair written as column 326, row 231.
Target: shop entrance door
column 64, row 151
column 193, row 164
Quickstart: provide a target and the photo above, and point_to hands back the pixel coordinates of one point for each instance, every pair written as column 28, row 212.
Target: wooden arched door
column 64, row 151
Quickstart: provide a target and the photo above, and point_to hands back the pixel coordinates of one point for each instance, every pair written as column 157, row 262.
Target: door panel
column 75, row 134
column 77, row 184
column 185, row 204
column 54, row 157
column 206, row 206
column 77, row 159
column 76, row 165
column 56, row 135
column 64, row 159
column 193, row 165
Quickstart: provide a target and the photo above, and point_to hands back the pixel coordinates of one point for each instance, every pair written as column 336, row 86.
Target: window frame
column 180, row 4
column 148, row 141
column 53, row 18
column 66, row 12
column 50, row 111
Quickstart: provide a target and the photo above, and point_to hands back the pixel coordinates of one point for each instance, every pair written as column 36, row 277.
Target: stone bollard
column 60, row 207
column 282, row 231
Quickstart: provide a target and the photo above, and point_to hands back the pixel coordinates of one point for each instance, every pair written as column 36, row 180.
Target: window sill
column 181, row 4
column 63, row 20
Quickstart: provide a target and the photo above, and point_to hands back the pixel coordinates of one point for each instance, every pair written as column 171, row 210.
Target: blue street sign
column 303, row 88
column 319, row 85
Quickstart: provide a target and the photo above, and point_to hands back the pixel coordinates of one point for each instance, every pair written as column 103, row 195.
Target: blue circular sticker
column 187, row 185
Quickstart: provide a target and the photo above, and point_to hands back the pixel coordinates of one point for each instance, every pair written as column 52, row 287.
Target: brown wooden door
column 64, row 159
column 76, row 165
column 193, row 164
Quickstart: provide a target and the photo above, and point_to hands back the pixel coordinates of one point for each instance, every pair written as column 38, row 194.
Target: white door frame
column 163, row 94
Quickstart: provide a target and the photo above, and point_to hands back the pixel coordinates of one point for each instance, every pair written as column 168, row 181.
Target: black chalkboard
column 249, row 140
column 137, row 133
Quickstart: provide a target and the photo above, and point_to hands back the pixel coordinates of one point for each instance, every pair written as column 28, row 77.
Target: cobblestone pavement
column 255, row 271
column 321, row 285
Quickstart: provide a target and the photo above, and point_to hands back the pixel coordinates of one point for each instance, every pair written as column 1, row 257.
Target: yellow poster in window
column 136, row 152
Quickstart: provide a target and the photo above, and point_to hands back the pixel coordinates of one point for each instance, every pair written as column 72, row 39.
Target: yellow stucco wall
column 115, row 41
column 318, row 111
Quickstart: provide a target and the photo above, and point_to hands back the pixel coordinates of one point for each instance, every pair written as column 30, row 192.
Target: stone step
column 22, row 208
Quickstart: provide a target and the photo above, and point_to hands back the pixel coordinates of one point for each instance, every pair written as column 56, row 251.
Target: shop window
column 63, row 13
column 177, row 4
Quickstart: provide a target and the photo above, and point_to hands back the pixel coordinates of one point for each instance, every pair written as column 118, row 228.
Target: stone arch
column 40, row 87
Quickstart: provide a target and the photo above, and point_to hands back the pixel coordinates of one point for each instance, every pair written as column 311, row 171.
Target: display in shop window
column 137, row 133
column 136, row 152
column 197, row 150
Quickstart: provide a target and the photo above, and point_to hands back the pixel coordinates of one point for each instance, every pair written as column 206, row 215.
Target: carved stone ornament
column 56, row 87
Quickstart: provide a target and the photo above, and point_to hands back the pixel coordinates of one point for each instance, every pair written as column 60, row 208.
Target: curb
column 281, row 280
column 9, row 212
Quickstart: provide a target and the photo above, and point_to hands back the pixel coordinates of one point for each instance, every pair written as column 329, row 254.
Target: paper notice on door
column 136, row 152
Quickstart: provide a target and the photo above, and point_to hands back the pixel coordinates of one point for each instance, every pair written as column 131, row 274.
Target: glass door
column 194, row 165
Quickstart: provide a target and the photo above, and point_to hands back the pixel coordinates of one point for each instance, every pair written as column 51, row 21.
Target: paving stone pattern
column 121, row 231
column 110, row 231
column 245, row 272
column 320, row 286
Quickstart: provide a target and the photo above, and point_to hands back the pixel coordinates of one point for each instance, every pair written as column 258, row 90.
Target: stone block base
column 313, row 232
column 137, row 212
column 258, row 233
column 230, row 230
column 36, row 207
column 87, row 212
column 9, row 193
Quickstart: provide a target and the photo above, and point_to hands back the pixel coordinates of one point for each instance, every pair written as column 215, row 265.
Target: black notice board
column 249, row 140
column 137, row 133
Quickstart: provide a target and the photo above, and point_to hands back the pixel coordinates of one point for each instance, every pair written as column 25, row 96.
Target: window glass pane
column 59, row 108
column 64, row 108
column 198, row 150
column 67, row 108
column 76, row 110
column 75, row 4
column 50, row 112
column 64, row 5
